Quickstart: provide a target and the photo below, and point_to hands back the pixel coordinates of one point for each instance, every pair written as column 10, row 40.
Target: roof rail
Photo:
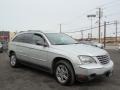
column 21, row 31
column 35, row 30
column 31, row 31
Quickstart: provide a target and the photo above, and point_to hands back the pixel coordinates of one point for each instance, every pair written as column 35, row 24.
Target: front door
column 38, row 53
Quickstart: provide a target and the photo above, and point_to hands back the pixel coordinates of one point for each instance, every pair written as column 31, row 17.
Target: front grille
column 104, row 59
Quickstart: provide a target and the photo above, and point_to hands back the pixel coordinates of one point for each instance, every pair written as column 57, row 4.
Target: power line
column 113, row 14
column 114, row 18
column 109, row 3
column 89, row 28
column 82, row 14
column 104, row 5
column 78, row 28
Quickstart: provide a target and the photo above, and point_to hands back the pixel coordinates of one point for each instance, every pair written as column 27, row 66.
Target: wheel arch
column 11, row 52
column 55, row 60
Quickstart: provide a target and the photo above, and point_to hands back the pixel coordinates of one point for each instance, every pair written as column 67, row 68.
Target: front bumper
column 91, row 72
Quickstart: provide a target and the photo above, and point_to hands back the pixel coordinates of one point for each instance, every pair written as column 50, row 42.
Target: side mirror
column 41, row 43
column 45, row 44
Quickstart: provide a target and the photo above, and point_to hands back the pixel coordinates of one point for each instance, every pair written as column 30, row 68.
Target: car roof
column 36, row 31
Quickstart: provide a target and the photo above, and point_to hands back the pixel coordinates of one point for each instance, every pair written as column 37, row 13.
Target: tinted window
column 26, row 38
column 38, row 38
column 19, row 38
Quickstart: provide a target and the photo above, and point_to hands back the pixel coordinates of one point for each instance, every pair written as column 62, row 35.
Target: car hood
column 80, row 49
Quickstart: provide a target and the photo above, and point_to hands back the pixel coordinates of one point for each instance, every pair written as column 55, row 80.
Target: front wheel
column 64, row 73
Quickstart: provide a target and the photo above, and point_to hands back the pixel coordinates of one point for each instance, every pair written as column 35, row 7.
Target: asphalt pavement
column 25, row 78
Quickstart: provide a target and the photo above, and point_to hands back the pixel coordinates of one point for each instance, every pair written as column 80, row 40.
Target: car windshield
column 60, row 39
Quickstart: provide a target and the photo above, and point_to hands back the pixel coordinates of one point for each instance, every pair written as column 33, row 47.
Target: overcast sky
column 46, row 15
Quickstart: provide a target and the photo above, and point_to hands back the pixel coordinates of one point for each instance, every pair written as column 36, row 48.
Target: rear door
column 21, row 45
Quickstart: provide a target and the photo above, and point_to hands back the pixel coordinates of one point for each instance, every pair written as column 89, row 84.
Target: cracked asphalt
column 26, row 78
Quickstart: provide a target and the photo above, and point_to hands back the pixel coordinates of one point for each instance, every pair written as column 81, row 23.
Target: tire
column 64, row 73
column 1, row 51
column 13, row 60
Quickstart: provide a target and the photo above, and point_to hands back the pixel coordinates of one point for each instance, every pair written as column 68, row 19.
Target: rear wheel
column 1, row 50
column 64, row 73
column 13, row 60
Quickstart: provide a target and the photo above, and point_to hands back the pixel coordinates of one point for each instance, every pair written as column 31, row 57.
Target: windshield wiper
column 60, row 44
column 65, row 43
column 76, row 43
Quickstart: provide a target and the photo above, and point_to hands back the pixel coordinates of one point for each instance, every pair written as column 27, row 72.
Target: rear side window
column 28, row 38
column 25, row 38
column 19, row 38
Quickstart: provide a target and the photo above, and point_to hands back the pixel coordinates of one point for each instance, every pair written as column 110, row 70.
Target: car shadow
column 93, row 82
column 50, row 78
column 36, row 70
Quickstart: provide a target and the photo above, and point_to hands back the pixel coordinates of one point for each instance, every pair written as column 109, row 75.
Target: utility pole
column 88, row 35
column 105, row 34
column 82, row 34
column 116, row 30
column 99, row 16
column 60, row 28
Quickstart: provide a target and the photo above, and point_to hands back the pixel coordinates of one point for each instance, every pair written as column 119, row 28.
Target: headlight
column 86, row 59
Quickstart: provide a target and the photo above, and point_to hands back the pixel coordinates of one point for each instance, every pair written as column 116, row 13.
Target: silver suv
column 60, row 55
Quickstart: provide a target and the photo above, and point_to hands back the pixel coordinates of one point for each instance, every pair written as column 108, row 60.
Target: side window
column 26, row 38
column 19, row 38
column 38, row 39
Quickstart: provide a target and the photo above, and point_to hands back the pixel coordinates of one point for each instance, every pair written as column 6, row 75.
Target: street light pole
column 99, row 16
column 91, row 17
column 91, row 27
column 82, row 34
